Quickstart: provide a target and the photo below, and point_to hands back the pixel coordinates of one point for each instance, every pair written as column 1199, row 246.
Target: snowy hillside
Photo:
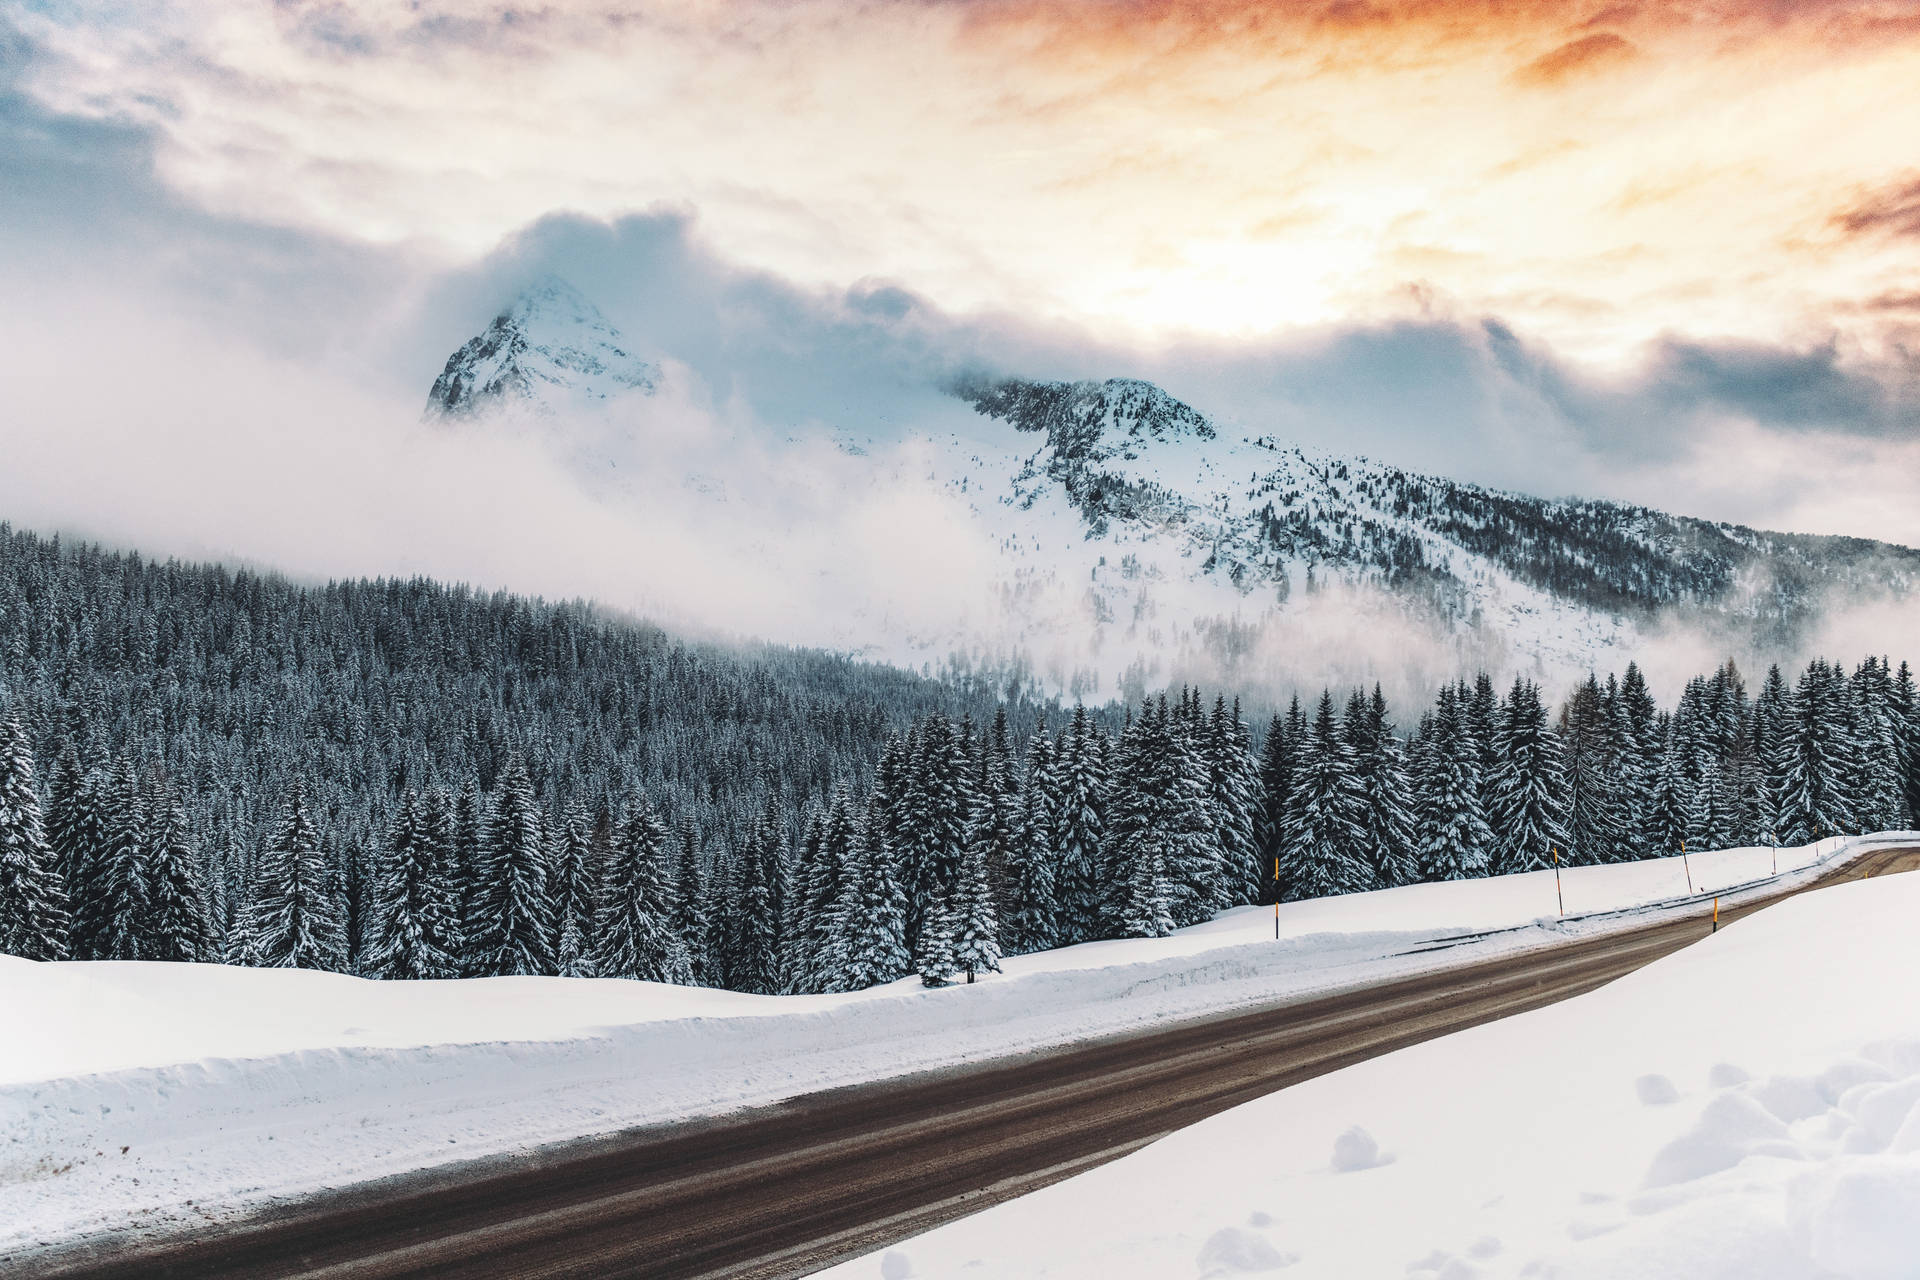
column 1127, row 538
column 1745, row 1109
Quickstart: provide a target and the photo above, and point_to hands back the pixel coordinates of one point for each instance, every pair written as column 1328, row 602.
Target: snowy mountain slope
column 549, row 347
column 1131, row 539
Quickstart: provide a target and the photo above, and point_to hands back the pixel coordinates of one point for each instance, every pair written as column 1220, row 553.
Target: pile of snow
column 144, row 1093
column 1746, row 1109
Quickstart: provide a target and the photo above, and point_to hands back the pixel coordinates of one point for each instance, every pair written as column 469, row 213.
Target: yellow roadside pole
column 1557, row 891
column 1716, row 914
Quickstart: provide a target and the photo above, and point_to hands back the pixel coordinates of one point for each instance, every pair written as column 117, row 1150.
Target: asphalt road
column 788, row 1189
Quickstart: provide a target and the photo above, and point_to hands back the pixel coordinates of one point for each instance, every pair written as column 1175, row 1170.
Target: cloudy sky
column 1666, row 253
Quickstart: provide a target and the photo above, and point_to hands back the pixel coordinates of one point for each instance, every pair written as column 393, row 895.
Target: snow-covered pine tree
column 872, row 919
column 469, row 878
column 1455, row 840
column 1528, row 804
column 1596, row 823
column 515, row 928
column 976, row 927
column 1234, row 784
column 1196, row 859
column 1080, row 833
column 932, row 822
column 1905, row 704
column 1032, row 907
column 433, row 832
column 295, row 918
column 176, row 922
column 33, row 900
column 999, row 815
column 1817, row 787
column 1880, row 788
column 1139, row 886
column 77, row 835
column 122, row 884
column 1276, row 794
column 692, row 923
column 412, row 918
column 573, row 890
column 823, row 890
column 751, row 926
column 1771, row 718
column 1325, row 853
column 1389, row 836
column 632, row 930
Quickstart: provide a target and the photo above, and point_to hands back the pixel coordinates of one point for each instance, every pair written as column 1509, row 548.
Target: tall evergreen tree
column 122, row 883
column 1080, row 833
column 976, row 927
column 295, row 918
column 1388, row 831
column 692, row 923
column 1031, row 920
column 1528, row 802
column 574, row 882
column 33, row 901
column 632, row 930
column 1455, row 841
column 412, row 921
column 515, row 929
column 176, row 923
column 1326, row 852
column 872, row 943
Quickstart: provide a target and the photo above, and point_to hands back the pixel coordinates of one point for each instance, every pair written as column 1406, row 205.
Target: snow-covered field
column 1746, row 1109
column 142, row 1093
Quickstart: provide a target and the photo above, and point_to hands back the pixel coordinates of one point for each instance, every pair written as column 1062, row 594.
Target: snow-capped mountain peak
column 551, row 344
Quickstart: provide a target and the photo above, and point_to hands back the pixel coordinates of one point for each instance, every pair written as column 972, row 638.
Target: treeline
column 967, row 844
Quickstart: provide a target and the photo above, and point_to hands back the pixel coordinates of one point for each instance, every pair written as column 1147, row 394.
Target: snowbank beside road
column 134, row 1091
column 1746, row 1109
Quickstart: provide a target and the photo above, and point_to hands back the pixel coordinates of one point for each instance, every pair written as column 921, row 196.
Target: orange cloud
column 1577, row 57
column 1892, row 210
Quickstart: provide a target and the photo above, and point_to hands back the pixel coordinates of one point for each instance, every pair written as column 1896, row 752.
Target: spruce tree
column 1325, row 853
column 122, row 883
column 1528, row 802
column 871, row 947
column 632, row 930
column 1234, row 783
column 1455, row 841
column 413, row 913
column 1032, row 905
column 515, row 929
column 976, row 928
column 1389, row 830
column 692, row 923
column 295, row 918
column 33, row 906
column 1080, row 834
column 177, row 926
column 573, row 888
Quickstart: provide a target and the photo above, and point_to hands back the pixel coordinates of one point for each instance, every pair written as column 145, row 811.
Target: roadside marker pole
column 1716, row 914
column 1688, row 865
column 1557, row 892
column 1774, row 837
column 1276, row 899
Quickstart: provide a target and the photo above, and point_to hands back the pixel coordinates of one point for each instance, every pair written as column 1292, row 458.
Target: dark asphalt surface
column 788, row 1189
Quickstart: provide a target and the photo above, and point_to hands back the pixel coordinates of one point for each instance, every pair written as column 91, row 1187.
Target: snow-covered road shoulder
column 155, row 1094
column 1745, row 1109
